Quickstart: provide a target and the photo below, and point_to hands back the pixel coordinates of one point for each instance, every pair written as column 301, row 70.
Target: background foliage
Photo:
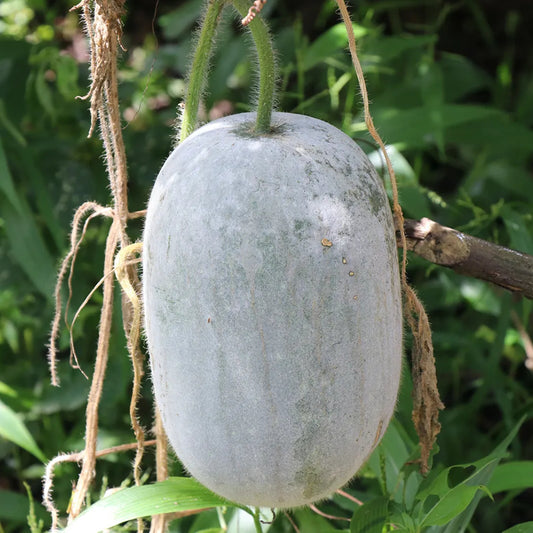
column 451, row 84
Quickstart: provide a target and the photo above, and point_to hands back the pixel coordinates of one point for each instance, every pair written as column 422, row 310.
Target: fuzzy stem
column 267, row 67
column 198, row 70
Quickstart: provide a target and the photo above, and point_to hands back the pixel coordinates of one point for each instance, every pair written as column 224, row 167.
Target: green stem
column 267, row 67
column 257, row 521
column 199, row 67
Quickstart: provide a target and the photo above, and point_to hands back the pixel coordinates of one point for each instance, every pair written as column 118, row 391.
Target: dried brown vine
column 426, row 399
column 104, row 29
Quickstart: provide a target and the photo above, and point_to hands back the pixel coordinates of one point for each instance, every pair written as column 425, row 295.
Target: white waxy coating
column 273, row 309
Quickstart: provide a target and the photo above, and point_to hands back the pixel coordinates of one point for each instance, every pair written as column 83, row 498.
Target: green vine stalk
column 199, row 67
column 200, row 64
column 267, row 67
column 257, row 520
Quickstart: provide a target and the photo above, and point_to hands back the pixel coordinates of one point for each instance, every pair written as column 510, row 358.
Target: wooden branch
column 471, row 256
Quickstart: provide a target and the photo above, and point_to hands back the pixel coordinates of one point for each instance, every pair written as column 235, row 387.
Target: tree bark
column 471, row 256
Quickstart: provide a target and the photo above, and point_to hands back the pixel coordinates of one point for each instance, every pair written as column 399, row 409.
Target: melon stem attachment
column 199, row 67
column 267, row 66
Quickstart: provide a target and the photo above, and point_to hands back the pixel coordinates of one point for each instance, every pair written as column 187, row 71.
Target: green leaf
column 28, row 247
column 173, row 495
column 14, row 430
column 6, row 180
column 27, row 244
column 415, row 201
column 67, row 76
column 210, row 519
column 10, row 334
column 405, row 173
column 395, row 450
column 432, row 89
column 70, row 396
column 514, row 222
column 44, row 93
column 180, row 20
column 512, row 476
column 10, row 128
column 461, row 77
column 484, row 468
column 14, row 70
column 411, row 127
column 15, row 507
column 370, row 517
column 24, row 164
column 499, row 135
column 452, row 504
column 6, row 390
column 499, row 171
column 387, row 49
column 525, row 527
column 329, row 44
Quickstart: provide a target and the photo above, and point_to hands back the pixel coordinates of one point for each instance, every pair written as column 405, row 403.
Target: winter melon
column 272, row 308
